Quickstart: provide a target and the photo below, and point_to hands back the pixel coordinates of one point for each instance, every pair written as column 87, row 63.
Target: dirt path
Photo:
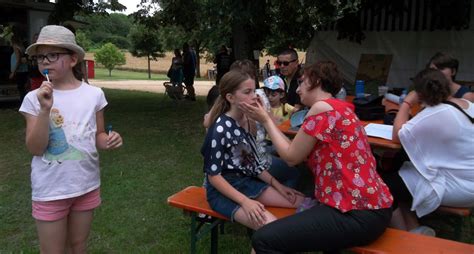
column 155, row 86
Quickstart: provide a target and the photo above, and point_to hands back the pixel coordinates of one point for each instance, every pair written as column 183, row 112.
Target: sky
column 130, row 4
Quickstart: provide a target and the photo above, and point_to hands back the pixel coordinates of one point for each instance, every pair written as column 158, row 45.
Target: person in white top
column 438, row 142
column 64, row 128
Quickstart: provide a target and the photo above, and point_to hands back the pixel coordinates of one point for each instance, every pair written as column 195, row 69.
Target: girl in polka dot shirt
column 238, row 184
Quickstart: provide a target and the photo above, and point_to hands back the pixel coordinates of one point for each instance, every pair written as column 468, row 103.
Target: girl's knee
column 78, row 246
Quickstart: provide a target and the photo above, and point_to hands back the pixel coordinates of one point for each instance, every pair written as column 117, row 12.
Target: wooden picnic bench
column 193, row 201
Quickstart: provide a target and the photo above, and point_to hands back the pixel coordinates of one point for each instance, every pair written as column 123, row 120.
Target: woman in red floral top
column 354, row 204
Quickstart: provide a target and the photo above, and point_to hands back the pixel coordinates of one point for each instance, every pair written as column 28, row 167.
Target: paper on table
column 379, row 130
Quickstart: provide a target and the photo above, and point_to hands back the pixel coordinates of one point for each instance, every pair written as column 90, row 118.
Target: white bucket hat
column 57, row 36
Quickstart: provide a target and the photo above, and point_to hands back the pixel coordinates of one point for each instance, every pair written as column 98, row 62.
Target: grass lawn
column 103, row 74
column 160, row 156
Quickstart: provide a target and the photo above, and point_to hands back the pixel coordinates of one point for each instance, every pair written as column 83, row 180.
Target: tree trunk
column 241, row 45
column 110, row 72
column 149, row 69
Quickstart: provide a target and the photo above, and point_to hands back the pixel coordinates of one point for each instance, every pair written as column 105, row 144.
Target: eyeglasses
column 52, row 57
column 286, row 63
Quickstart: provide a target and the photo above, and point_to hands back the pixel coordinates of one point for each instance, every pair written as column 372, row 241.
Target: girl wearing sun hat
column 64, row 129
column 274, row 88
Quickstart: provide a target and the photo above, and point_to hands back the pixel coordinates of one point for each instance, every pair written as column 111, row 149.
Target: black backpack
column 369, row 108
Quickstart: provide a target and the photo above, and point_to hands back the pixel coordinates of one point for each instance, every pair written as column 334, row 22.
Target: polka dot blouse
column 229, row 148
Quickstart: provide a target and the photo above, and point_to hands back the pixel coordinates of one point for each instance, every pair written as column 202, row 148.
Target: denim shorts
column 251, row 187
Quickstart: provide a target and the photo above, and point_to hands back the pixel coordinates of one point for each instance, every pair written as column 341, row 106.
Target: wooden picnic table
column 285, row 127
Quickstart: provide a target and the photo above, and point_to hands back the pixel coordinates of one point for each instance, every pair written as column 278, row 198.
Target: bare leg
column 398, row 221
column 271, row 197
column 79, row 226
column 243, row 219
column 52, row 235
column 410, row 218
column 403, row 218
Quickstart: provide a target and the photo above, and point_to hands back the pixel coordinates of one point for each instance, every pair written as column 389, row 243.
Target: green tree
column 109, row 56
column 67, row 9
column 104, row 28
column 195, row 24
column 82, row 40
column 246, row 25
column 145, row 42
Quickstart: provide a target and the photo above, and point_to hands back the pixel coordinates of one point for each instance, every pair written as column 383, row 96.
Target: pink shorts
column 58, row 209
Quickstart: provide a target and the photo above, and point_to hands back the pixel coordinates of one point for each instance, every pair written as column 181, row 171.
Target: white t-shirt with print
column 70, row 165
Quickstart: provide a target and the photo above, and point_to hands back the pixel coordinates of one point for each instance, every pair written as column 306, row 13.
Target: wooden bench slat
column 193, row 199
column 399, row 241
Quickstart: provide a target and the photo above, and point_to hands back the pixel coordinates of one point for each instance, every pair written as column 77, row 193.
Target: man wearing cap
column 290, row 71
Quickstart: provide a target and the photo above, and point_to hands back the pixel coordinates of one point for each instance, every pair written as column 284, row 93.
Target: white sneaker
column 424, row 230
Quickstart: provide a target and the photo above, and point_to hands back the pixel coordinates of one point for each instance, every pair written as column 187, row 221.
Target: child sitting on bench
column 238, row 184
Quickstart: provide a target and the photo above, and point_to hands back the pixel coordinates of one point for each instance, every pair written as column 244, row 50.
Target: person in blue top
column 176, row 68
column 238, row 184
column 449, row 65
column 19, row 66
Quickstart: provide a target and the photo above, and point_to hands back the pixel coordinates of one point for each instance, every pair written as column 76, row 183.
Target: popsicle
column 46, row 72
column 109, row 129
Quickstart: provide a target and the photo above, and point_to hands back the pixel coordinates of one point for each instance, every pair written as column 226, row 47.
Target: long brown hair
column 229, row 83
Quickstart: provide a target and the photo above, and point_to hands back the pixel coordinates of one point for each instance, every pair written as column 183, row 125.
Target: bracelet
column 409, row 104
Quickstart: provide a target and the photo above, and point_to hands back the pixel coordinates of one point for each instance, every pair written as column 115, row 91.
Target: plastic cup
column 383, row 90
column 359, row 88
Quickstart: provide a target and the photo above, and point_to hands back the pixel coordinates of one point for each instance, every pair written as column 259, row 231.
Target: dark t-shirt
column 188, row 64
column 223, row 62
column 292, row 97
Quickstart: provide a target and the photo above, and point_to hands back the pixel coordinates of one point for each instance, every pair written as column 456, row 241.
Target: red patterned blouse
column 344, row 168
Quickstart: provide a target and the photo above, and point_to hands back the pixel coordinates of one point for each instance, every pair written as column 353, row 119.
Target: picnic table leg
column 193, row 233
column 214, row 239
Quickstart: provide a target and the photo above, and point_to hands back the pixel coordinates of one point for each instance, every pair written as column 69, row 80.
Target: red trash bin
column 90, row 69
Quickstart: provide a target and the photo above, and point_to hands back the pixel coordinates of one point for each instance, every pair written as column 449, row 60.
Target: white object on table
column 392, row 97
column 383, row 90
column 379, row 130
